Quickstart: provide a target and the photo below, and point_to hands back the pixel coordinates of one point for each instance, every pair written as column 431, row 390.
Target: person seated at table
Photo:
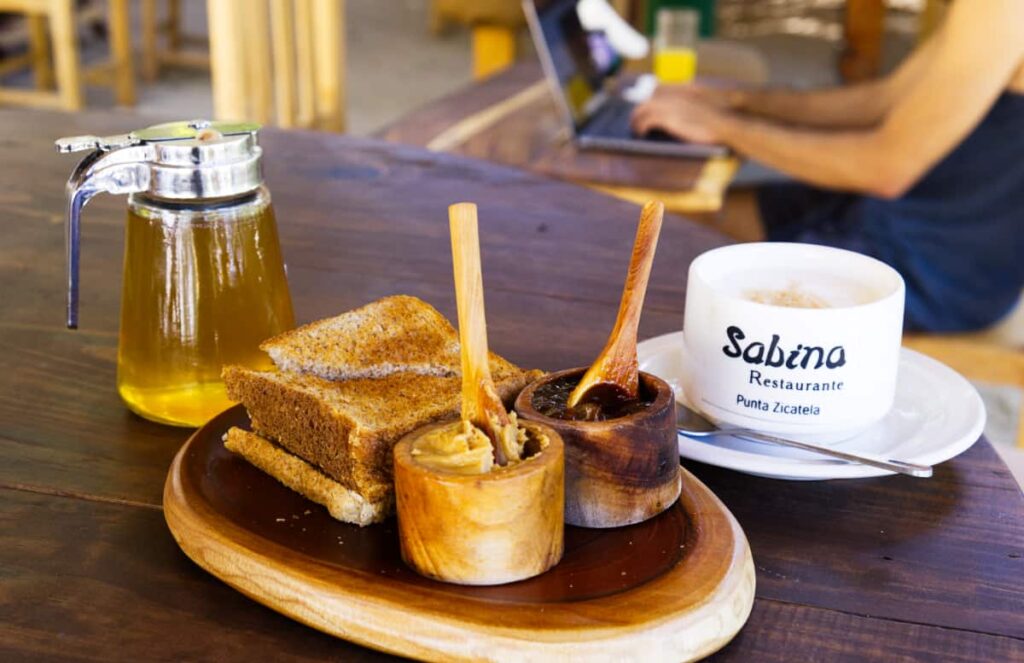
column 923, row 169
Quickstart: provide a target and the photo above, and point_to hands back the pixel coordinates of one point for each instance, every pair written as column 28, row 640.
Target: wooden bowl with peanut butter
column 464, row 519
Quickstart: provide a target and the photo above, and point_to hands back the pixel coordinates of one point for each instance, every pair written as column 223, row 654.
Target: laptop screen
column 582, row 60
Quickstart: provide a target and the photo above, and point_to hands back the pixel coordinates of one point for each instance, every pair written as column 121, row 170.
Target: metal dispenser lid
column 191, row 160
column 178, row 160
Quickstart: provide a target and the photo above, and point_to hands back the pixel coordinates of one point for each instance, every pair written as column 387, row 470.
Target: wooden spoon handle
column 617, row 363
column 469, row 297
column 481, row 405
column 628, row 321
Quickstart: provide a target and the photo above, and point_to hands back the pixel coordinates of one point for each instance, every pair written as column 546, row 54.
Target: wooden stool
column 176, row 52
column 864, row 30
column 495, row 26
column 66, row 71
column 281, row 60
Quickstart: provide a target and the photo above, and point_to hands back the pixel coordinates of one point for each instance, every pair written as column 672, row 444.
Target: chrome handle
column 118, row 171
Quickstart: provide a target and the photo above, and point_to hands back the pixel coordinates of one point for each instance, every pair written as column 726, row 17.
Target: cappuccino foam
column 797, row 288
column 792, row 297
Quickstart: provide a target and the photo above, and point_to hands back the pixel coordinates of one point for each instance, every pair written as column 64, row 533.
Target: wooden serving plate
column 677, row 587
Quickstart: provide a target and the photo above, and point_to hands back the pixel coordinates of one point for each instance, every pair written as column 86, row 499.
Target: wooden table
column 511, row 118
column 875, row 569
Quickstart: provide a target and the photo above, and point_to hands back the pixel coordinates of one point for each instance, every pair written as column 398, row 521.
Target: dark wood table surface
column 877, row 569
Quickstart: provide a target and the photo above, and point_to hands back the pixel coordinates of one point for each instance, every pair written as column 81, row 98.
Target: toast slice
column 305, row 479
column 347, row 428
column 398, row 334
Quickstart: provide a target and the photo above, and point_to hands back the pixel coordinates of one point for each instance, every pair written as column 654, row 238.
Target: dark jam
column 551, row 400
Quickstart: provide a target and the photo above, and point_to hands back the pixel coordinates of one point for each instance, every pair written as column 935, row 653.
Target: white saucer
column 937, row 415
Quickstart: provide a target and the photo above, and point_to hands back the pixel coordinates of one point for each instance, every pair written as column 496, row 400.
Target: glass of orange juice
column 675, row 45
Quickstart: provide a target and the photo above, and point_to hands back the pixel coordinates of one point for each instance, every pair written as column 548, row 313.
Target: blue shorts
column 948, row 287
column 793, row 212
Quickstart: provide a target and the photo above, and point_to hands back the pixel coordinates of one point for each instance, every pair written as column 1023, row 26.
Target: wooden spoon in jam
column 614, row 376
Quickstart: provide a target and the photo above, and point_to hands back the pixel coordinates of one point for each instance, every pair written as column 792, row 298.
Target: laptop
column 582, row 68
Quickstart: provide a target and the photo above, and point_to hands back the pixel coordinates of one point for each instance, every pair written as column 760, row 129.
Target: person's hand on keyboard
column 685, row 116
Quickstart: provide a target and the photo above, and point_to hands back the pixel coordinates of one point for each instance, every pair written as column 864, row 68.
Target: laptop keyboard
column 612, row 120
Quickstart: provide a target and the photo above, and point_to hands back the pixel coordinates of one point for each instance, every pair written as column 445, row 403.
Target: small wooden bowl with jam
column 621, row 460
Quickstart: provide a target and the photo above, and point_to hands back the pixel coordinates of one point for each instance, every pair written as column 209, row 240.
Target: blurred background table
column 870, row 570
column 511, row 118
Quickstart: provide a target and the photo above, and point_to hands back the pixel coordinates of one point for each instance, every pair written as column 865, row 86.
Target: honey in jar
column 202, row 288
column 204, row 280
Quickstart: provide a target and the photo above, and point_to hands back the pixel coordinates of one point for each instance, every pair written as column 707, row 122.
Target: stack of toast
column 344, row 391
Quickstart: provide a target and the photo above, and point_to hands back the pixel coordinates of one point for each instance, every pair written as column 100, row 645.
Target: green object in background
column 706, row 8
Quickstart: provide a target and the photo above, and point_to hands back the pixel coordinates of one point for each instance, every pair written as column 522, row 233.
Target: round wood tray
column 677, row 587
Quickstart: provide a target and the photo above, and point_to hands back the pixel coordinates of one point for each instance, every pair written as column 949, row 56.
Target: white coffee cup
column 822, row 374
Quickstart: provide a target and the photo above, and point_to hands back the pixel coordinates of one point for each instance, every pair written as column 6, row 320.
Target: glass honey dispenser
column 204, row 281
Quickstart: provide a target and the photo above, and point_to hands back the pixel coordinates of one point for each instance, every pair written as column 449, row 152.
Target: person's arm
column 851, row 106
column 975, row 55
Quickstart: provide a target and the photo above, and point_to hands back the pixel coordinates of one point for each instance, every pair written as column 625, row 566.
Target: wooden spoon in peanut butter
column 481, row 405
column 615, row 374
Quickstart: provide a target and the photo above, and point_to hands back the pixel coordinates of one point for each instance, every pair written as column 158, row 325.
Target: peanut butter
column 463, row 448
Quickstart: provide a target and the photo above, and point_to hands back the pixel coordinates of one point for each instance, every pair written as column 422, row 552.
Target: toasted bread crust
column 398, row 334
column 342, row 503
column 347, row 428
column 393, row 334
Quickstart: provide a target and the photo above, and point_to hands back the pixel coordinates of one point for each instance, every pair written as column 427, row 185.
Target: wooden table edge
column 464, row 129
column 707, row 194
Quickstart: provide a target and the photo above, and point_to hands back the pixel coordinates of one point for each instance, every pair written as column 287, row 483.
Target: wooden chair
column 178, row 49
column 65, row 70
column 280, row 60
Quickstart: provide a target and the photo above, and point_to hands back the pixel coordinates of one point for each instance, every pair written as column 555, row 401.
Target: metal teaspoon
column 692, row 424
